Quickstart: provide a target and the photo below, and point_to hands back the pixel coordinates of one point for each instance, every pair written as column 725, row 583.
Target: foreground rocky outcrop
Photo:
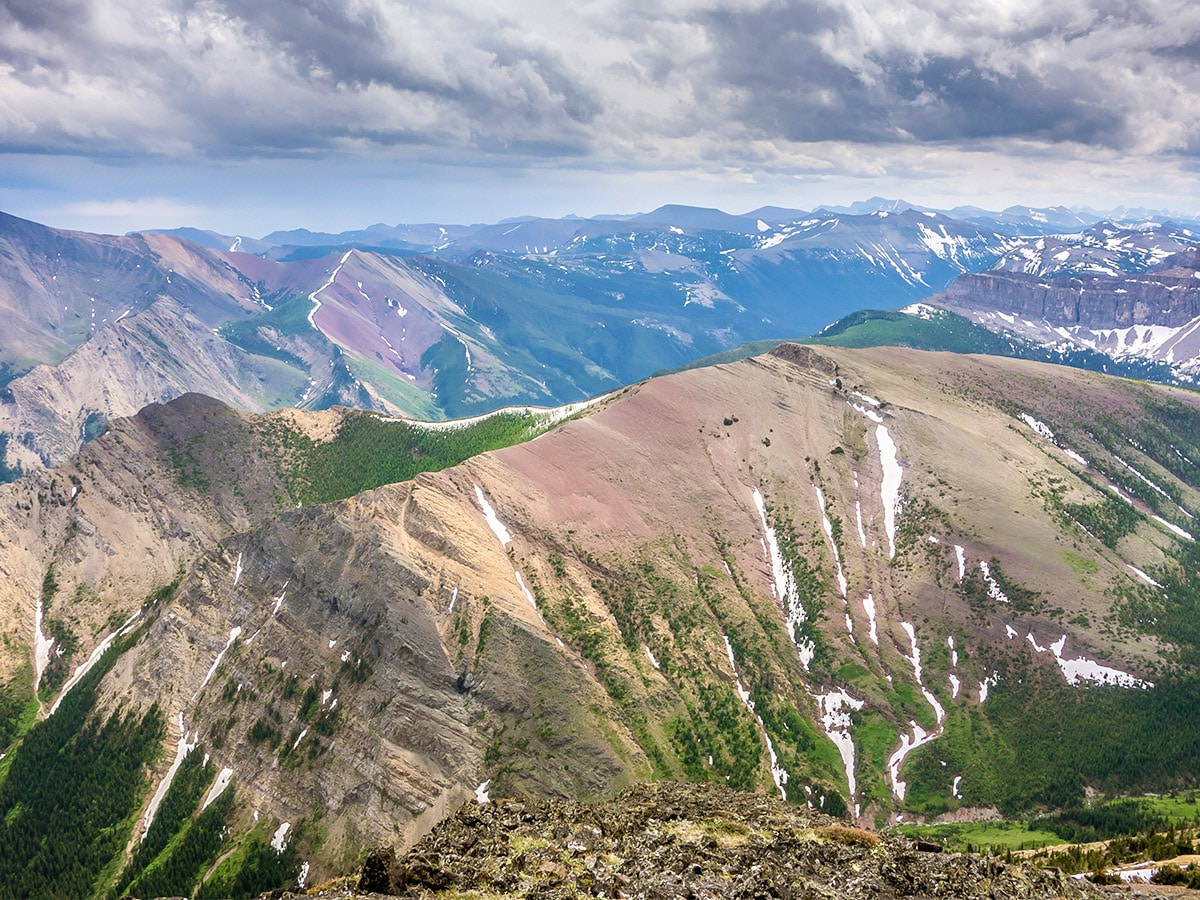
column 670, row 840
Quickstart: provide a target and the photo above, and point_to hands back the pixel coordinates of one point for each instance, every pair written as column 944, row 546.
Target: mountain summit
column 864, row 582
column 674, row 840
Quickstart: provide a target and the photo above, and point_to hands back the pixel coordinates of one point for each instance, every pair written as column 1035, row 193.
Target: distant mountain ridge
column 1129, row 295
column 1108, row 298
column 451, row 320
column 431, row 320
column 427, row 237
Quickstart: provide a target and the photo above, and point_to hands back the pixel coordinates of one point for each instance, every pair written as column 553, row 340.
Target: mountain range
column 883, row 584
column 308, row 540
column 1125, row 295
column 438, row 321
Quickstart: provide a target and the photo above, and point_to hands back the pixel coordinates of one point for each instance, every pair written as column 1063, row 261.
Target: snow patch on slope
column 493, row 521
column 181, row 751
column 279, row 840
column 42, row 645
column 481, row 792
column 86, row 666
column 528, row 593
column 1153, row 486
column 1142, row 575
column 994, row 590
column 869, row 609
column 890, row 488
column 218, row 787
column 1171, row 526
column 990, row 681
column 835, row 719
column 919, row 736
column 784, row 585
column 827, row 526
column 893, row 473
column 1082, row 669
column 1040, row 427
column 1046, row 432
column 915, row 661
column 315, row 296
column 907, row 745
column 233, row 636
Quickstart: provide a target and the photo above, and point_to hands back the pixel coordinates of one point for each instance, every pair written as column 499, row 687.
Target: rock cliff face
column 802, row 574
column 128, row 515
column 1151, row 312
column 1169, row 298
column 157, row 356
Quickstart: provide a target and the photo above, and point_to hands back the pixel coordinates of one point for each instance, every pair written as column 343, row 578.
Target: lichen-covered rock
column 672, row 840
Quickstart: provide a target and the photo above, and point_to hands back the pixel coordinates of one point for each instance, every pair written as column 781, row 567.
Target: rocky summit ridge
column 673, row 840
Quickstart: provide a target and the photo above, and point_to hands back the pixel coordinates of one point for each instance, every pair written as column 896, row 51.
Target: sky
column 245, row 116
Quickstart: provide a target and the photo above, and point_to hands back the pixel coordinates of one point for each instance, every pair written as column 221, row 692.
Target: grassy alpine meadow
column 981, row 836
column 369, row 451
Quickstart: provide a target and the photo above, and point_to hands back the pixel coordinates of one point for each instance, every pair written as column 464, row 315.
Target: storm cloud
column 746, row 88
column 232, row 77
column 242, row 77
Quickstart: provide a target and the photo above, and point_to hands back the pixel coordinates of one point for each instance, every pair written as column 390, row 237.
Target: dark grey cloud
column 334, row 45
column 447, row 80
column 952, row 98
column 790, row 83
column 247, row 77
column 637, row 83
column 52, row 22
column 331, row 45
column 786, row 84
column 45, row 15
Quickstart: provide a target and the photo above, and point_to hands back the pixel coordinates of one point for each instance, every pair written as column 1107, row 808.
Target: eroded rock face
column 1091, row 297
column 675, row 840
column 1164, row 298
column 599, row 606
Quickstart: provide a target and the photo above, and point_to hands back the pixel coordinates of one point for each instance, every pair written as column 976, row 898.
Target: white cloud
column 119, row 216
column 831, row 92
column 238, row 77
